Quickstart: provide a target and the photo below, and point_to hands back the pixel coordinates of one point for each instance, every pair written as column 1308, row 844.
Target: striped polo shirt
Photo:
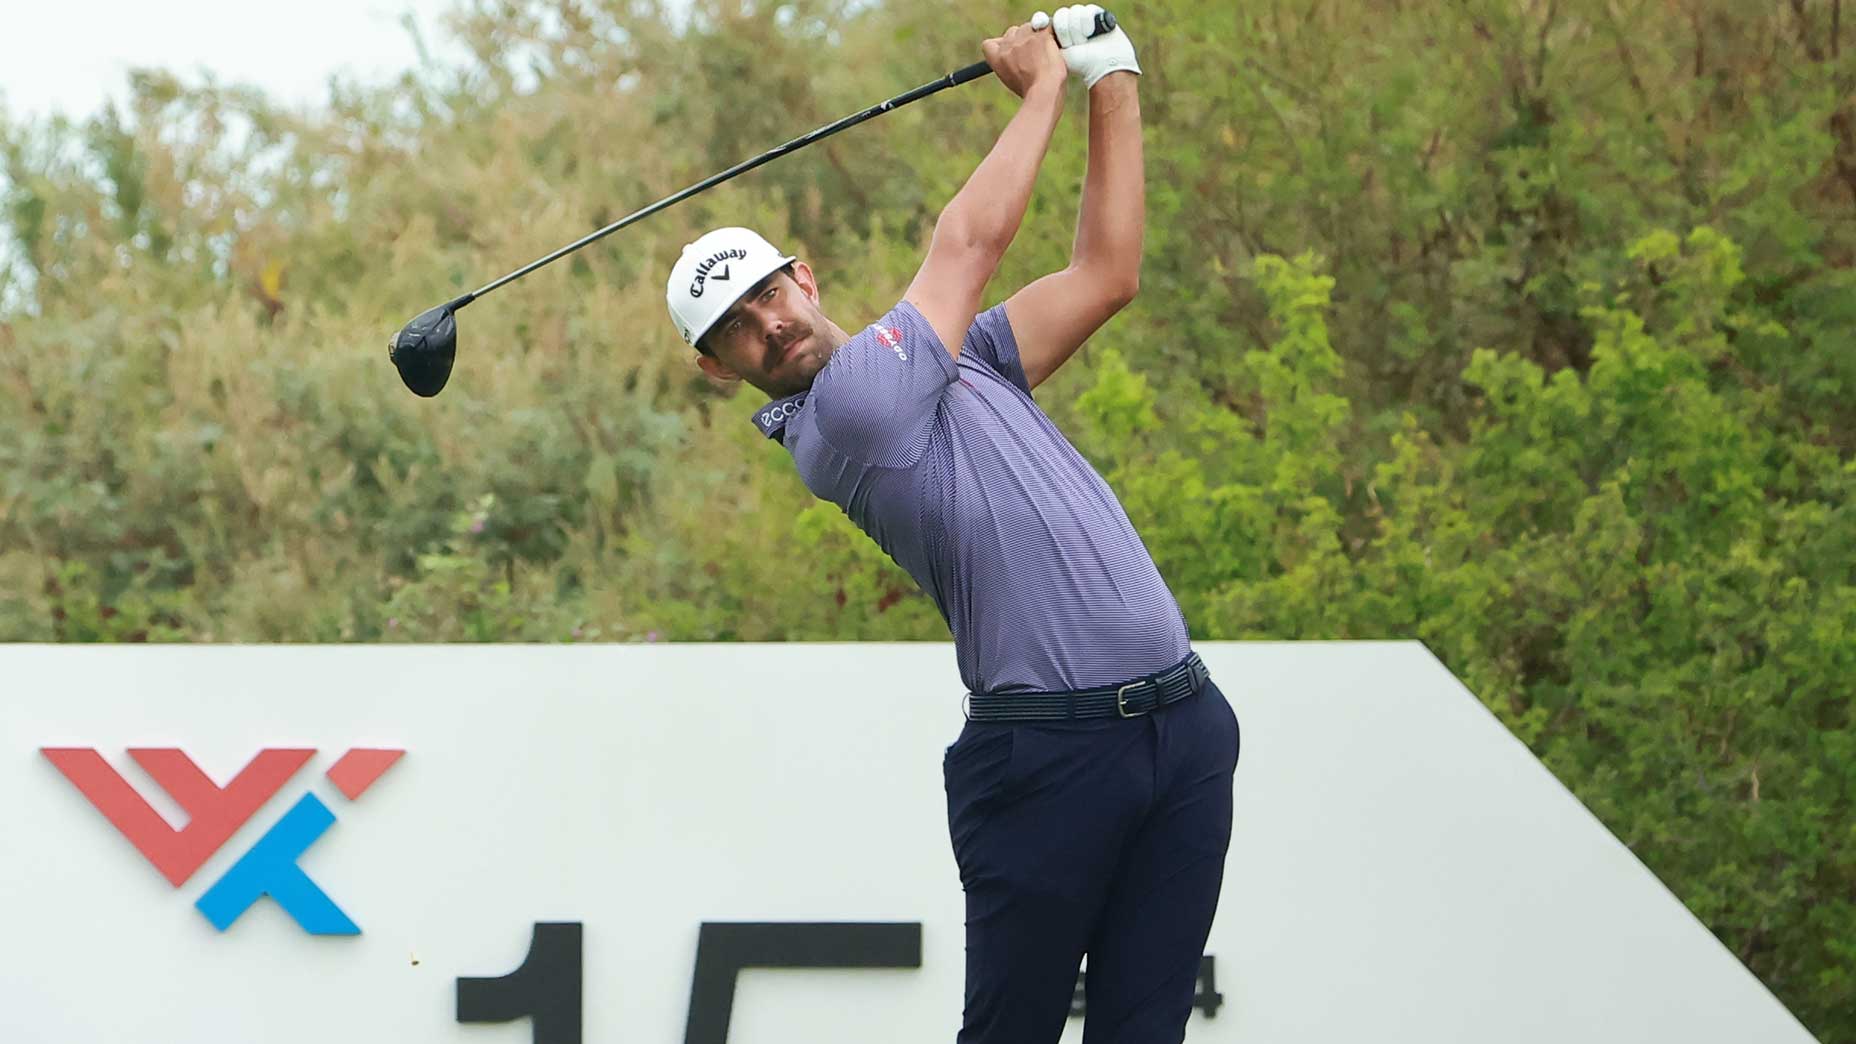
column 960, row 477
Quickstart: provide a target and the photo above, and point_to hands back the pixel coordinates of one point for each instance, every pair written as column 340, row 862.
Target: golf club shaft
column 955, row 78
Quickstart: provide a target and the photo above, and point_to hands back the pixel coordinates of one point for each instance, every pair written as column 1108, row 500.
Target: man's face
column 775, row 337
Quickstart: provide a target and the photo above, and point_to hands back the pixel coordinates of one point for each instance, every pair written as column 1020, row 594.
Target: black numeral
column 722, row 950
column 546, row 988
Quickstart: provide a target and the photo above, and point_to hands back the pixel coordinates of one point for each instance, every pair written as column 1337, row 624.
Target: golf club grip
column 1105, row 23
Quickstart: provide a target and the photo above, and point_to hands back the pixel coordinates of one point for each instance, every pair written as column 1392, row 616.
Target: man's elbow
column 1114, row 287
column 1123, row 290
column 958, row 235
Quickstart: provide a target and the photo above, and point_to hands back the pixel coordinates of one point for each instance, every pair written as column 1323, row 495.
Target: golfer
column 1089, row 794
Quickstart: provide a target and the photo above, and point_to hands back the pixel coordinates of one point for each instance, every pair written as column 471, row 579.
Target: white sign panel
column 1402, row 869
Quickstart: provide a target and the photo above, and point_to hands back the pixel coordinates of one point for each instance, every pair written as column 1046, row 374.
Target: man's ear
column 716, row 369
column 808, row 283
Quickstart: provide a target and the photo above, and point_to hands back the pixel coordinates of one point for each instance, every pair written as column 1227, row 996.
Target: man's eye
column 768, row 296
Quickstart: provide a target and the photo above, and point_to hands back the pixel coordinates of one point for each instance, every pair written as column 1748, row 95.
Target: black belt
column 1138, row 697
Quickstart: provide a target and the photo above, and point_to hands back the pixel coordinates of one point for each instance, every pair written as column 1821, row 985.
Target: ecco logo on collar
column 781, row 412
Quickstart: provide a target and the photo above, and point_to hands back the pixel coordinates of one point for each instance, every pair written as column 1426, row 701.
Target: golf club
column 425, row 349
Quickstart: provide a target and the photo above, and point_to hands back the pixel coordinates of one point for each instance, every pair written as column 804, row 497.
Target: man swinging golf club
column 1089, row 794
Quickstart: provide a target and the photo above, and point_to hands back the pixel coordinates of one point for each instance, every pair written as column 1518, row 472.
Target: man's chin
column 804, row 374
column 792, row 383
column 806, row 367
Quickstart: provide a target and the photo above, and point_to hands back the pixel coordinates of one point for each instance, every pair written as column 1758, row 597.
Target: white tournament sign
column 748, row 843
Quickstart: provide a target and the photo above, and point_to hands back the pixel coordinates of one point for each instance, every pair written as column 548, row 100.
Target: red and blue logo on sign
column 215, row 813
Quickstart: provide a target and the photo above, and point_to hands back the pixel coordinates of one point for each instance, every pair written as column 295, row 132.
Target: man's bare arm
column 979, row 223
column 1052, row 317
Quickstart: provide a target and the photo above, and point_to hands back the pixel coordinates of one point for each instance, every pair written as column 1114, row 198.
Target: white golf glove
column 1088, row 59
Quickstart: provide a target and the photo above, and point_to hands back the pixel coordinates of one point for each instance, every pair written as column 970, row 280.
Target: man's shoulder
column 892, row 337
column 903, row 328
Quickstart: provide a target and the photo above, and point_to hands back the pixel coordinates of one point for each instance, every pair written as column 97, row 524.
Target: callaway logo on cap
column 713, row 273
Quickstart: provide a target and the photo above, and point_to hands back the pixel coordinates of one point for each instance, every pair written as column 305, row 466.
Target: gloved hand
column 1088, row 59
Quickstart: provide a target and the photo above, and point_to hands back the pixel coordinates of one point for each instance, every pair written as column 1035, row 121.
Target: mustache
column 800, row 331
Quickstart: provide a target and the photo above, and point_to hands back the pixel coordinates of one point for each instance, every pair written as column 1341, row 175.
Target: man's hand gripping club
column 1088, row 57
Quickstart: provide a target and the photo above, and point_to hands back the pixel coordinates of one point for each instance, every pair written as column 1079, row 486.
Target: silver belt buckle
column 1121, row 700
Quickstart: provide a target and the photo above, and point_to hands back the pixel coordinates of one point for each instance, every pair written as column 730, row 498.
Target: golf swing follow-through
column 1089, row 794
column 426, row 348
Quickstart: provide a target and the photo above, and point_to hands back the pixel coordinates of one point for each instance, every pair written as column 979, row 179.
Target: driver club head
column 424, row 351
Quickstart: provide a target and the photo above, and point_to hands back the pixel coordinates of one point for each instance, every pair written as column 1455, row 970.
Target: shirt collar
column 771, row 419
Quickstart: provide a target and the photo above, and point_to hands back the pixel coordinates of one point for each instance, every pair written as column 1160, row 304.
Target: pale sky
column 68, row 56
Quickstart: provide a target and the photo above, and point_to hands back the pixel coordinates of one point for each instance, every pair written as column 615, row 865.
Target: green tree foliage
column 1517, row 326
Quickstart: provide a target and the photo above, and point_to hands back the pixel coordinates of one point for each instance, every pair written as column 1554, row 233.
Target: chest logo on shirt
column 892, row 339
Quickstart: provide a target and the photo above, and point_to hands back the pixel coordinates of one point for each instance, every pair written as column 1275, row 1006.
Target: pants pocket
column 977, row 764
column 977, row 772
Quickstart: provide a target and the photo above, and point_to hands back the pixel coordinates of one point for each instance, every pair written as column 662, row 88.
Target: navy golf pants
column 1104, row 837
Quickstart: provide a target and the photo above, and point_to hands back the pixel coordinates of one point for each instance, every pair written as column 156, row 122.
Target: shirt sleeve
column 991, row 338
column 875, row 398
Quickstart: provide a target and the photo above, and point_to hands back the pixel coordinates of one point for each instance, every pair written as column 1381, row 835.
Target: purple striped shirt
column 962, row 479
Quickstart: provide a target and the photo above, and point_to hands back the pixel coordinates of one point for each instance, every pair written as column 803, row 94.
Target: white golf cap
column 712, row 275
